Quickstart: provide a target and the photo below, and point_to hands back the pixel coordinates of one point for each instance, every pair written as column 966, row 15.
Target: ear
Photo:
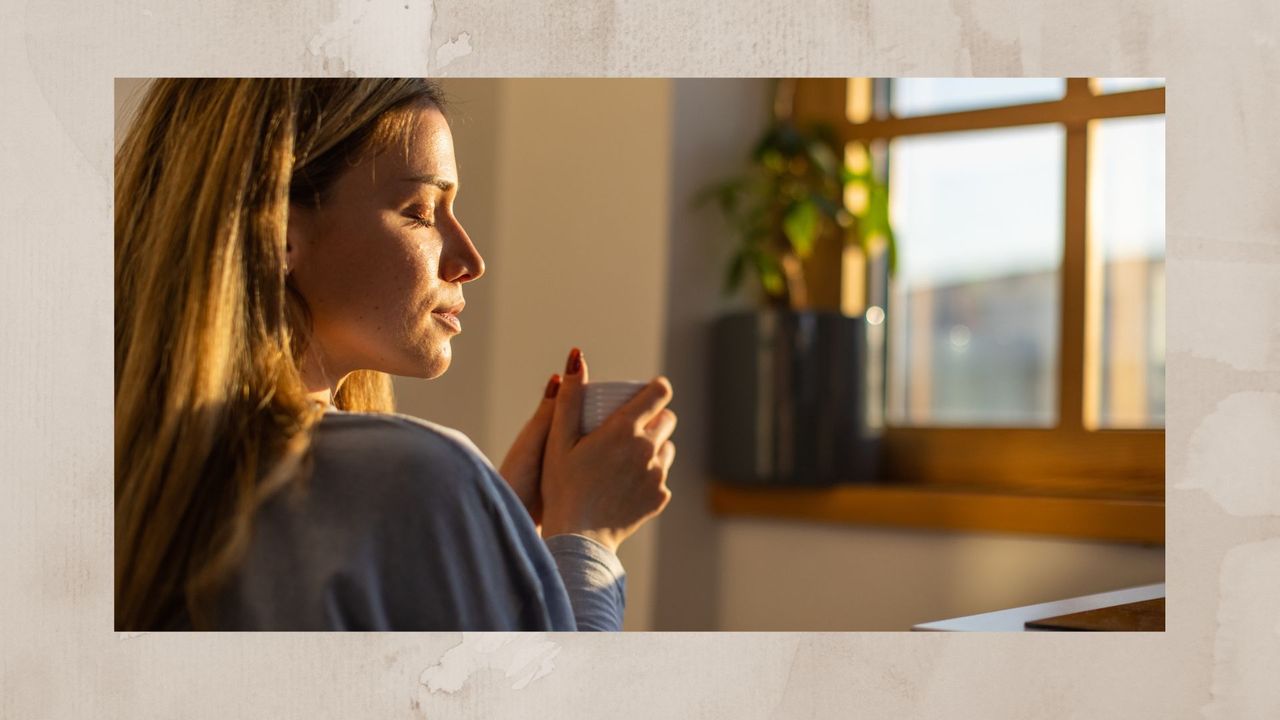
column 298, row 234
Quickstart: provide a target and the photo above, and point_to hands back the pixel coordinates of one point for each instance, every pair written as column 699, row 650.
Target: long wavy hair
column 211, row 413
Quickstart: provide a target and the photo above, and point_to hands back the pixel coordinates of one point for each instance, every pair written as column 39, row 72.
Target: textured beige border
column 1219, row 655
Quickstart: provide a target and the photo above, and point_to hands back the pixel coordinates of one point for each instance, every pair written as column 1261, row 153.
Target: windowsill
column 1092, row 518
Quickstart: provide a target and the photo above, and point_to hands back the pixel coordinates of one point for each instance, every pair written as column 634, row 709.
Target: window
column 974, row 332
column 1025, row 342
column 1126, row 223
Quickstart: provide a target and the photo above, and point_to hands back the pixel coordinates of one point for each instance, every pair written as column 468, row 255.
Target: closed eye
column 422, row 221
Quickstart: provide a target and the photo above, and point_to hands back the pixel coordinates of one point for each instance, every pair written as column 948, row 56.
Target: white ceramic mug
column 600, row 399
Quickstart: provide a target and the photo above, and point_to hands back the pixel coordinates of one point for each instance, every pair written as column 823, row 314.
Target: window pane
column 975, row 305
column 1114, row 85
column 1126, row 208
column 931, row 96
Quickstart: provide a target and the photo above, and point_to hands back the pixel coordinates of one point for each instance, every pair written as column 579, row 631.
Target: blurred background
column 992, row 271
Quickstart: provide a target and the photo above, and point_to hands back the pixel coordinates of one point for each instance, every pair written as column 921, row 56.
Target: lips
column 449, row 315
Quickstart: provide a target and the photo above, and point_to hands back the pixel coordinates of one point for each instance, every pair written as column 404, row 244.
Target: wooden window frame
column 1094, row 472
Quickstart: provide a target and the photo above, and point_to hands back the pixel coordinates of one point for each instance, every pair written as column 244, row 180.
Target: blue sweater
column 404, row 525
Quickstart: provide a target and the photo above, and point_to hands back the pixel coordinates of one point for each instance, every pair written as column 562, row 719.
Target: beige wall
column 802, row 576
column 716, row 122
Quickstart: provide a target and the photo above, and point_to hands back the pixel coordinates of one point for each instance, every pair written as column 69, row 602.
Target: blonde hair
column 212, row 416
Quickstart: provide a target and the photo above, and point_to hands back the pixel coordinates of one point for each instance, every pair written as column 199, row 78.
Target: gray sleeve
column 594, row 578
column 477, row 538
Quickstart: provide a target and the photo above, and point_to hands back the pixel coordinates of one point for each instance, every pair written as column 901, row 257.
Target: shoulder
column 400, row 457
column 393, row 440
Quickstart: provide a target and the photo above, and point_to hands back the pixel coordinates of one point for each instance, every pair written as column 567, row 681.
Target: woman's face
column 381, row 263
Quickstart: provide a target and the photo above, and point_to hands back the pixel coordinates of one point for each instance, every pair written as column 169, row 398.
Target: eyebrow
column 430, row 180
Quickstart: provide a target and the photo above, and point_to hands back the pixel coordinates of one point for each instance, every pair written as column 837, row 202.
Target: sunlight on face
column 381, row 264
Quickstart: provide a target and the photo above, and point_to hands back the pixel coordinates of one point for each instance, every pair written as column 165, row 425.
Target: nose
column 460, row 261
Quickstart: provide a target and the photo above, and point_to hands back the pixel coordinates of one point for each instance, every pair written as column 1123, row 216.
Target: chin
column 435, row 364
column 437, row 370
column 426, row 360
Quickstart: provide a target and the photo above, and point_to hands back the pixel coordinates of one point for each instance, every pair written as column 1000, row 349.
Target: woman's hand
column 522, row 468
column 608, row 483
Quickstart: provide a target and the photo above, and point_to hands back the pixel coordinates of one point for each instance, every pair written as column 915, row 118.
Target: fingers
column 553, row 388
column 565, row 425
column 546, row 408
column 527, row 449
column 661, row 426
column 647, row 403
column 536, row 430
column 667, row 455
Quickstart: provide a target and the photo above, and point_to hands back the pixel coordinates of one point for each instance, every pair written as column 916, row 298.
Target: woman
column 281, row 246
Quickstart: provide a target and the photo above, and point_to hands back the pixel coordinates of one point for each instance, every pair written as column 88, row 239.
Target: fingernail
column 553, row 387
column 574, row 366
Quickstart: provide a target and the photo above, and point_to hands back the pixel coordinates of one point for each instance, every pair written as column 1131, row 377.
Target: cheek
column 377, row 283
column 364, row 273
column 398, row 287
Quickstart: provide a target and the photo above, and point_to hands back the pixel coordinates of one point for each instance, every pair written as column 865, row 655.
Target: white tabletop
column 1015, row 619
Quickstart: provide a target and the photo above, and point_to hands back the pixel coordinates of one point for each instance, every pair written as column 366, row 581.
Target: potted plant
column 791, row 402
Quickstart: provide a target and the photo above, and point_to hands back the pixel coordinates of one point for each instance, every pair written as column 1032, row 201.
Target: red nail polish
column 574, row 366
column 553, row 387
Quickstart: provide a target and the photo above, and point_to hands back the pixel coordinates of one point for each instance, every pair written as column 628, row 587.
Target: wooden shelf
column 1093, row 518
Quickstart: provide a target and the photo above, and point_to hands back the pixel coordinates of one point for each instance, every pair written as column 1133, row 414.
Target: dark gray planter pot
column 790, row 399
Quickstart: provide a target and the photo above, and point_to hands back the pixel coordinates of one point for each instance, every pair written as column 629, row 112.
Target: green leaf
column 822, row 157
column 733, row 279
column 770, row 141
column 801, row 226
column 773, row 161
column 728, row 198
column 891, row 249
column 755, row 226
column 825, row 134
column 849, row 176
column 770, row 274
column 789, row 139
column 878, row 208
